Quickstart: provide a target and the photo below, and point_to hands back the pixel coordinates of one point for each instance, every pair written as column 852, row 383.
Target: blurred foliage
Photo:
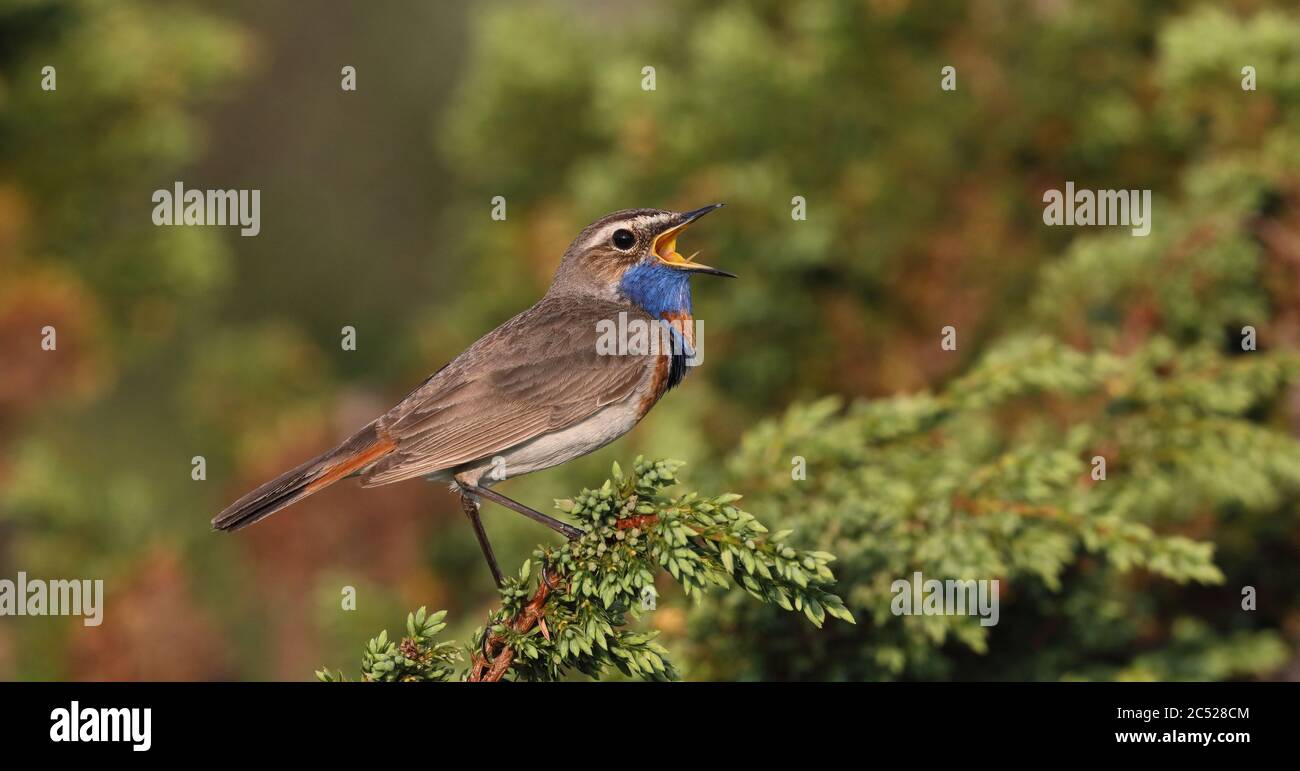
column 924, row 210
column 572, row 616
column 175, row 343
column 76, row 253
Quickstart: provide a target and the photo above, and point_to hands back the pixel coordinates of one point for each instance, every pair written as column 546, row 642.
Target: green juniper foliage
column 605, row 579
column 962, row 484
column 417, row 658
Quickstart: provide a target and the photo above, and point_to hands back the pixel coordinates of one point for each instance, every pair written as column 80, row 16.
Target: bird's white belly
column 558, row 446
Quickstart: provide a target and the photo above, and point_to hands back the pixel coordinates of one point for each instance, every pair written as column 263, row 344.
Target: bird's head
column 632, row 254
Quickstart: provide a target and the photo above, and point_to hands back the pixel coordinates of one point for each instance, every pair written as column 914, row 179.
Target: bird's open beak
column 665, row 247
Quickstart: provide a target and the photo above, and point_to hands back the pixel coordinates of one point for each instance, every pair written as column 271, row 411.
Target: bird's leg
column 564, row 528
column 470, row 506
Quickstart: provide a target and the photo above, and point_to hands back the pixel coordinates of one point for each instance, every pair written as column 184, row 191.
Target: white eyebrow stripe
column 606, row 233
column 639, row 224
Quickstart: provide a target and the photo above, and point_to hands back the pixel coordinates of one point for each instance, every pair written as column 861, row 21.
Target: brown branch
column 642, row 521
column 491, row 663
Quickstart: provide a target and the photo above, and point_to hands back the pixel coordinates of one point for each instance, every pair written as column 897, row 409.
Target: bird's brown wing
column 537, row 373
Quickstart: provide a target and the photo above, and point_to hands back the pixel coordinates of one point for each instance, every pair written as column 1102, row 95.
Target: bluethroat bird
column 536, row 391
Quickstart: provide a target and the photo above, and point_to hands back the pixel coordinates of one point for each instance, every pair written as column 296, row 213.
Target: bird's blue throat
column 665, row 294
column 657, row 289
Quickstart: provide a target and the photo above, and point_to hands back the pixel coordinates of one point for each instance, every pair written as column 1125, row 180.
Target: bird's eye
column 623, row 239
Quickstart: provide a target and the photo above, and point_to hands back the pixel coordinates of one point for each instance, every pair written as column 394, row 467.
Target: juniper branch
column 573, row 613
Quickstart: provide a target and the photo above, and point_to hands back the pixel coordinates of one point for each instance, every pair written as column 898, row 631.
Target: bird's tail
column 358, row 452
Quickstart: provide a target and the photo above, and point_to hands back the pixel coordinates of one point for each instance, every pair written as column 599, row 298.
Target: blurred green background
column 923, row 210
